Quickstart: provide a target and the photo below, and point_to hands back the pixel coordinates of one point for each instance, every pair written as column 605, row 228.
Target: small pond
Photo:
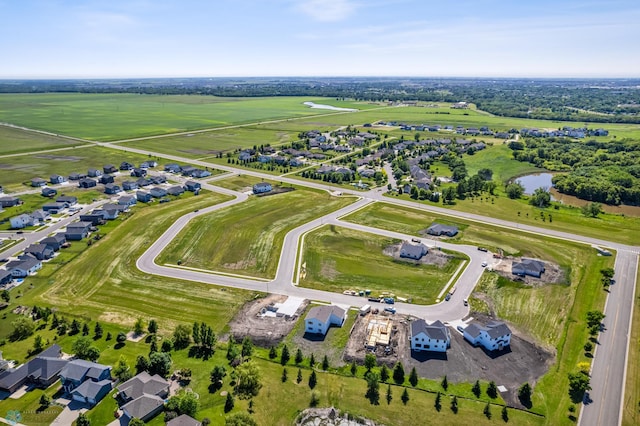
column 331, row 107
column 535, row 181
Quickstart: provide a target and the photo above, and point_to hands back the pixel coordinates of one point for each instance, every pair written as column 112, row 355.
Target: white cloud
column 327, row 10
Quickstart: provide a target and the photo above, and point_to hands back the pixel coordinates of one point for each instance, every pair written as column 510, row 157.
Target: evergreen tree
column 284, row 357
column 299, row 358
column 299, row 377
column 354, row 368
column 284, row 375
column 154, row 345
column 444, row 383
column 384, row 373
column 273, row 353
column 413, row 377
column 389, row 396
column 454, row 405
column 152, row 327
column 229, row 403
column 492, row 390
column 398, row 373
column 405, row 396
column 312, row 360
column 325, row 363
column 505, row 414
column 313, row 379
column 85, row 329
column 476, row 389
column 487, row 411
column 438, row 402
column 97, row 331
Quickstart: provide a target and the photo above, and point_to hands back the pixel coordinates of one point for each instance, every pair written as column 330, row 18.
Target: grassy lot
column 29, row 407
column 498, row 158
column 119, row 116
column 14, row 141
column 103, row 283
column 553, row 314
column 631, row 411
column 16, row 172
column 247, row 239
column 339, row 259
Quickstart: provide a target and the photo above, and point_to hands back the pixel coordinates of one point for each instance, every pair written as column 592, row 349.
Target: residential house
column 94, row 173
column 24, row 267
column 111, row 211
column 199, row 173
column 77, row 176
column 262, row 187
column 5, row 278
column 126, row 166
column 412, row 251
column 21, row 221
column 38, row 182
column 142, row 182
column 41, row 371
column 129, row 185
column 494, row 336
column 320, row 318
column 143, row 197
column 96, row 217
column 78, row 230
column 127, row 200
column 192, row 186
column 112, row 188
column 54, row 208
column 138, row 172
column 157, row 192
column 9, row 201
column 90, row 392
column 175, row 190
column 367, row 173
column 158, row 180
column 294, row 162
column 40, row 251
column 244, row 156
column 429, row 337
column 87, row 183
column 187, row 170
column 143, row 395
column 68, row 200
column 149, row 164
column 56, row 179
column 172, row 168
column 183, row 420
column 531, row 267
column 343, row 171
column 55, row 242
column 439, row 229
column 77, row 371
column 106, row 179
column 40, row 217
column 109, row 168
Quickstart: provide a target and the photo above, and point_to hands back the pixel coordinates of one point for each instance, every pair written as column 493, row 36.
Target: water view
column 535, row 181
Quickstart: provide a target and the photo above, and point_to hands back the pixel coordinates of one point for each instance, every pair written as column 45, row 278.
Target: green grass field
column 631, row 410
column 15, row 141
column 247, row 239
column 118, row 116
column 339, row 259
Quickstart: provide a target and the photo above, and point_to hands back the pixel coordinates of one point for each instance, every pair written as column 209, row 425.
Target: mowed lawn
column 13, row 141
column 103, row 283
column 339, row 259
column 120, row 116
column 16, row 172
column 247, row 238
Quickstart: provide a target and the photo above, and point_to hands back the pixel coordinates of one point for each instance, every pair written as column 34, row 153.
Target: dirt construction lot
column 522, row 362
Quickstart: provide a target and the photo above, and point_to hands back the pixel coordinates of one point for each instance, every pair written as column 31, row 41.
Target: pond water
column 535, row 181
column 331, row 107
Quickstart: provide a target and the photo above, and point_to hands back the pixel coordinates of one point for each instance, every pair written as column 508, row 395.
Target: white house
column 24, row 267
column 433, row 338
column 320, row 318
column 21, row 221
column 495, row 336
column 261, row 187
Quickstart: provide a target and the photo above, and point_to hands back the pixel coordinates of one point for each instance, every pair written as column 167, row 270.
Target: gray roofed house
column 24, row 267
column 143, row 197
column 5, row 276
column 56, row 179
column 40, row 251
column 192, row 186
column 127, row 200
column 94, row 172
column 48, row 192
column 109, row 168
column 9, row 201
column 157, row 192
column 496, row 335
column 42, row 371
column 142, row 182
column 531, row 267
column 38, row 182
column 77, row 176
column 21, row 221
column 54, row 208
column 412, row 251
column 55, row 241
column 106, row 179
column 320, row 318
column 79, row 370
column 262, row 187
column 144, row 407
column 112, row 188
column 157, row 180
column 129, row 185
column 125, row 165
column 91, row 392
column 143, row 395
column 67, row 199
column 87, row 183
column 78, row 230
column 183, row 420
column 175, row 190
column 434, row 337
column 440, row 229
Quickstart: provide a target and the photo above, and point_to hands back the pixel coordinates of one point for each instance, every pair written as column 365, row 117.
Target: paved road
column 604, row 403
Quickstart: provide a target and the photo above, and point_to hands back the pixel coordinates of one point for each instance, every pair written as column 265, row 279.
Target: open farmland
column 15, row 141
column 247, row 238
column 339, row 259
column 109, row 117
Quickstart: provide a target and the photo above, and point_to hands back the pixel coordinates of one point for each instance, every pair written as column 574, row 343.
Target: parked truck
column 365, row 310
column 389, row 300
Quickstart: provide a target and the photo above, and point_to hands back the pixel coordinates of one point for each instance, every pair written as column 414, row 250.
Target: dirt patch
column 361, row 337
column 328, row 270
column 59, row 157
column 133, row 337
column 276, row 190
column 330, row 417
column 433, row 257
column 552, row 274
column 262, row 330
column 241, row 265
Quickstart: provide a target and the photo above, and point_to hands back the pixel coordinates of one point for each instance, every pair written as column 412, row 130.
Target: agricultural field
column 16, row 172
column 16, row 141
column 247, row 239
column 339, row 259
column 630, row 413
column 108, row 117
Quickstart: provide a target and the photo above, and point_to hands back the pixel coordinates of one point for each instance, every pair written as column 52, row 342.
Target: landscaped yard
column 339, row 259
column 247, row 239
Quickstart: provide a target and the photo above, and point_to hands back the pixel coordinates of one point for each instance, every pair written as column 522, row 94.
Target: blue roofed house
column 112, row 188
column 439, row 229
column 157, row 192
column 192, row 186
column 412, row 251
column 125, row 165
column 262, row 187
column 172, row 168
column 320, row 318
column 530, row 267
column 429, row 337
column 86, row 381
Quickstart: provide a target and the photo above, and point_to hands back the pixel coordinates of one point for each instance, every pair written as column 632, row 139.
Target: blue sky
column 202, row 38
